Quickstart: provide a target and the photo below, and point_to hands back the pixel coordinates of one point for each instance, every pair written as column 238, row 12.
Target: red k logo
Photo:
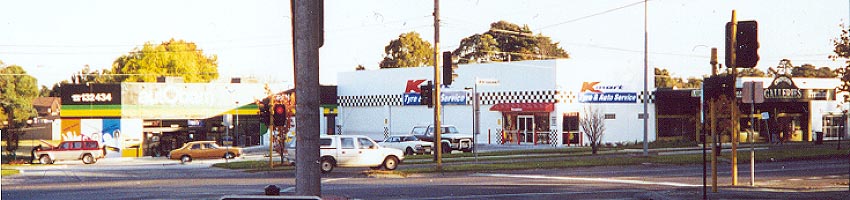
column 413, row 86
column 588, row 86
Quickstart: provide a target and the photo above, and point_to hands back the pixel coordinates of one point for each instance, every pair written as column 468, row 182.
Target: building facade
column 149, row 119
column 533, row 102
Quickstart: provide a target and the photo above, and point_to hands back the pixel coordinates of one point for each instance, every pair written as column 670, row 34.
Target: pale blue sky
column 52, row 39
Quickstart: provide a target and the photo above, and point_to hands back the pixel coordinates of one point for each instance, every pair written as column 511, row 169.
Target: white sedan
column 408, row 143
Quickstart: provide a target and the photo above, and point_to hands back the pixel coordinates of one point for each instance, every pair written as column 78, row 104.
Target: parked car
column 203, row 149
column 450, row 137
column 87, row 151
column 352, row 151
column 410, row 144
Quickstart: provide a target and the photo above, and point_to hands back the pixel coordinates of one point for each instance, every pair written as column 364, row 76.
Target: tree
column 17, row 90
column 842, row 50
column 476, row 48
column 409, row 50
column 663, row 79
column 171, row 58
column 506, row 41
column 751, row 72
column 593, row 125
column 809, row 70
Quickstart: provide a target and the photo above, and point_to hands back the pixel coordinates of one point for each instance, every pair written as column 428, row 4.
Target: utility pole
column 645, row 82
column 712, row 116
column 307, row 22
column 437, row 127
column 735, row 120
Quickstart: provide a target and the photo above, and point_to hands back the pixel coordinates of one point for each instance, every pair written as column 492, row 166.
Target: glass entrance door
column 525, row 127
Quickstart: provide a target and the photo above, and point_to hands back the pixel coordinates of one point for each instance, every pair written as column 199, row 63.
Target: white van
column 352, row 151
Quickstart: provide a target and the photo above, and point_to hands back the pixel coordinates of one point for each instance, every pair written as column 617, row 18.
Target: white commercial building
column 534, row 102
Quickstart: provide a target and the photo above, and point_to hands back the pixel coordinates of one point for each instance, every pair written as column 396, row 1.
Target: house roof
column 45, row 101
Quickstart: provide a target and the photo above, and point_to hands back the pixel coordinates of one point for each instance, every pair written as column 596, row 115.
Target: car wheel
column 327, row 164
column 185, row 159
column 408, row 151
column 88, row 159
column 229, row 155
column 391, row 163
column 45, row 159
column 446, row 149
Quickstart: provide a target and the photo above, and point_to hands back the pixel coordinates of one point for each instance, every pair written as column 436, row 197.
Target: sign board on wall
column 594, row 92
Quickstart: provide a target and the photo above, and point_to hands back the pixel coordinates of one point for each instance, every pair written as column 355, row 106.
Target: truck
column 450, row 138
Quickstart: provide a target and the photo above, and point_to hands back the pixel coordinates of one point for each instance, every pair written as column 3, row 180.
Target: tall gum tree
column 171, row 58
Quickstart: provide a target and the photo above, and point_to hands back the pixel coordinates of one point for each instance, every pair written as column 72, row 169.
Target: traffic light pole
column 735, row 120
column 437, row 127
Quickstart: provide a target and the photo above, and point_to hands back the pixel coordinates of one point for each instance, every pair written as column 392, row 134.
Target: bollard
column 272, row 190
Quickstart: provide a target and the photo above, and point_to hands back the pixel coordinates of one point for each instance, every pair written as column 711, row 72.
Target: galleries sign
column 593, row 92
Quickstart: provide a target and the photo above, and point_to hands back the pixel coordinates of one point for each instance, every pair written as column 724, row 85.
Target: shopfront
column 150, row 119
column 535, row 102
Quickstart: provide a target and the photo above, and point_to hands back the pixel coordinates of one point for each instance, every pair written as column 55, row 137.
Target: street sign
column 487, row 81
column 752, row 92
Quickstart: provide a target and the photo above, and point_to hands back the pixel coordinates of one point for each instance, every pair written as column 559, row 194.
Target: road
column 166, row 179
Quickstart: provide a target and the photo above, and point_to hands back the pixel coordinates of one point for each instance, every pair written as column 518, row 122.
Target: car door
column 212, row 151
column 392, row 142
column 368, row 154
column 63, row 151
column 347, row 151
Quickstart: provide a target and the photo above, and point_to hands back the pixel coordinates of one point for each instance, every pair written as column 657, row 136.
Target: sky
column 52, row 39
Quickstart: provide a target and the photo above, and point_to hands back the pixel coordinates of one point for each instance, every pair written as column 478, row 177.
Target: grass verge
column 6, row 171
column 252, row 166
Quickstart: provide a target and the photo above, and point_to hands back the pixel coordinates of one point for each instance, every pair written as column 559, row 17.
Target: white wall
column 540, row 75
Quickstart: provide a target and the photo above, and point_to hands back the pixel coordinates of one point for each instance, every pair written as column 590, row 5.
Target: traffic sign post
column 752, row 93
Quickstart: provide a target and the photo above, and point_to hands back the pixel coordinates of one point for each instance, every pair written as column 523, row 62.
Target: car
column 352, row 151
column 410, row 144
column 87, row 151
column 203, row 149
column 450, row 137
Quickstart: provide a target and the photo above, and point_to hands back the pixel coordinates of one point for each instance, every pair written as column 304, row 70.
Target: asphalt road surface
column 167, row 179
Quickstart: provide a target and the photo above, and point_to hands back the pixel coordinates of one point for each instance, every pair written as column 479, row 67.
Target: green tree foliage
column 809, row 70
column 751, row 72
column 171, row 58
column 842, row 50
column 17, row 90
column 663, row 79
column 477, row 48
column 507, row 41
column 409, row 50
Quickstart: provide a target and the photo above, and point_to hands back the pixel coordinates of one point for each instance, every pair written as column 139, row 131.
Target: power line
column 591, row 15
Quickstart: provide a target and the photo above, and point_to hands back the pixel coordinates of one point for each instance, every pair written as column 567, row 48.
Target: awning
column 523, row 107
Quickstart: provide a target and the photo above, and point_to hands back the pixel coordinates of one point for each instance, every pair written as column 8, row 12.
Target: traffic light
column 449, row 68
column 426, row 94
column 264, row 114
column 746, row 50
column 279, row 115
column 718, row 85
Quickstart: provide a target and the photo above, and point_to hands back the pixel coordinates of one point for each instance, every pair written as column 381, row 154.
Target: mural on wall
column 115, row 134
column 70, row 129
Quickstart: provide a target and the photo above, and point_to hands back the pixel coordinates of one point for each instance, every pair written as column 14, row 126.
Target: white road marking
column 518, row 195
column 605, row 180
column 290, row 189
